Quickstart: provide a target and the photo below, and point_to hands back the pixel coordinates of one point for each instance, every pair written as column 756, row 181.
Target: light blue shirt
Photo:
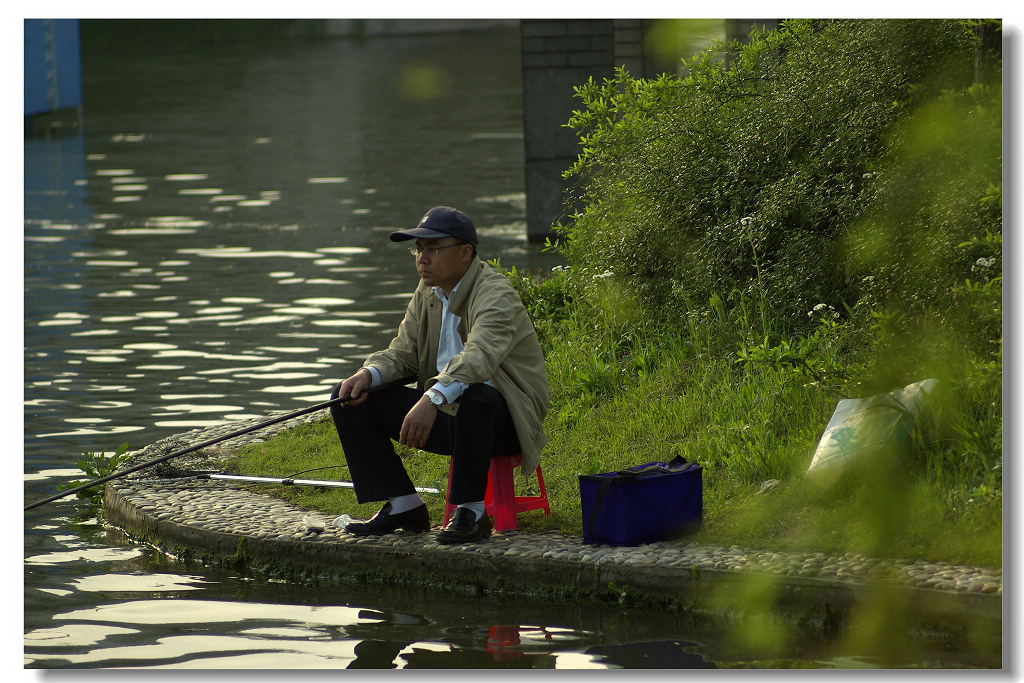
column 448, row 346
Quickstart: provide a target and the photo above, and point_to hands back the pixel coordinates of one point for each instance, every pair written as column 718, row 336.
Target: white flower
column 602, row 276
column 814, row 310
column 984, row 263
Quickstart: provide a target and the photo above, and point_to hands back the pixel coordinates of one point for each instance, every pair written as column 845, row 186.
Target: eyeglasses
column 431, row 251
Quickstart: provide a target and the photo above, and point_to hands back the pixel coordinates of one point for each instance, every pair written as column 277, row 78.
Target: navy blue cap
column 441, row 221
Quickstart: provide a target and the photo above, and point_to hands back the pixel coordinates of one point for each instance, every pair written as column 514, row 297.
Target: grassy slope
column 741, row 435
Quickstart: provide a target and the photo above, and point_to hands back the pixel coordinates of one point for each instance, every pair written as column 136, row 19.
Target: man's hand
column 418, row 423
column 355, row 387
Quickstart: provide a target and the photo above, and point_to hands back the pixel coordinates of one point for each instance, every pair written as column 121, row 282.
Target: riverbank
column 209, row 522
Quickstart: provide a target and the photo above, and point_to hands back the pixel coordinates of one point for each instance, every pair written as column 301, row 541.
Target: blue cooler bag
column 642, row 504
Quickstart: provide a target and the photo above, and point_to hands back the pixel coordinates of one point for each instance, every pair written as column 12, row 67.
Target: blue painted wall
column 53, row 65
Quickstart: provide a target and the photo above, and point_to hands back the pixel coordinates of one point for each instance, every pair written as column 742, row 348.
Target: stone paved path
column 212, row 516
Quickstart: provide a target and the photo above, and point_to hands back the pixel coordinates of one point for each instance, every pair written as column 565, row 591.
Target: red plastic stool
column 500, row 499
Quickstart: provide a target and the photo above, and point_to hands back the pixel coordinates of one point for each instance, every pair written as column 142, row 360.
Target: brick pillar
column 557, row 54
column 629, row 49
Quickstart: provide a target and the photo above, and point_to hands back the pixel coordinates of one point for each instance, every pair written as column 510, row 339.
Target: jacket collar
column 457, row 302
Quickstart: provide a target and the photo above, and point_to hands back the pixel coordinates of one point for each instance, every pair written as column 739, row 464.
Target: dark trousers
column 481, row 430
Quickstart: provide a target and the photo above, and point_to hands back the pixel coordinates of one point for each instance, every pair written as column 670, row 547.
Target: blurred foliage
column 668, row 38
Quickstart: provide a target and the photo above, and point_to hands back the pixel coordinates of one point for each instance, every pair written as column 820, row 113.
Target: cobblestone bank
column 181, row 512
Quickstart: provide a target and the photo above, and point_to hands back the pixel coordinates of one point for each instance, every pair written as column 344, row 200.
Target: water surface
column 214, row 247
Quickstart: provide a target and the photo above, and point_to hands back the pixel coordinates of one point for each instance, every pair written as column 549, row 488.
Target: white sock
column 478, row 508
column 400, row 504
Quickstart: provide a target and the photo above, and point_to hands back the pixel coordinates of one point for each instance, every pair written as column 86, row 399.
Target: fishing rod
column 288, row 481
column 191, row 449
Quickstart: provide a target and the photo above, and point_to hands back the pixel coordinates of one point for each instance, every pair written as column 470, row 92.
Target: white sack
column 864, row 425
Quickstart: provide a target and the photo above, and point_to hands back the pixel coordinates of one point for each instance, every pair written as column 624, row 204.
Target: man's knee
column 481, row 397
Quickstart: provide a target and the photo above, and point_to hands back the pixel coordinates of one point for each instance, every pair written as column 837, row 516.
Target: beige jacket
column 500, row 345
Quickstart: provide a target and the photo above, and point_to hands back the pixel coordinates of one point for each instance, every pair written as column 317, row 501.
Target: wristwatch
column 436, row 397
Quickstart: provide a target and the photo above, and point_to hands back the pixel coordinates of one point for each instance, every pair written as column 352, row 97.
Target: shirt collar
column 457, row 303
column 439, row 293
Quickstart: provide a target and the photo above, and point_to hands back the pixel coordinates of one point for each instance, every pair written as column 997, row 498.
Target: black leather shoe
column 417, row 519
column 464, row 529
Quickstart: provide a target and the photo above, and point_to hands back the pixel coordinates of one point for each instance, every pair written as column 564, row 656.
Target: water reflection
column 213, row 248
column 229, row 633
column 124, row 617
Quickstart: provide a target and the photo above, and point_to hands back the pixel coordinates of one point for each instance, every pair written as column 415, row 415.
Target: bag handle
column 676, row 464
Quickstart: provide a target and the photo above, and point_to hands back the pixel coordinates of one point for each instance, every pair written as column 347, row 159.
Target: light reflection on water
column 213, row 248
column 223, row 632
column 182, row 271
column 136, row 612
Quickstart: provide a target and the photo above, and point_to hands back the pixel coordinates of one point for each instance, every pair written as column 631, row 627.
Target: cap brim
column 417, row 234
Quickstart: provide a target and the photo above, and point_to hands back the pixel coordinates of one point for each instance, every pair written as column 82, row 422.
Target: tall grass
column 751, row 411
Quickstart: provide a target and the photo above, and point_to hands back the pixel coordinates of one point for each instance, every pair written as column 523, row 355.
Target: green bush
column 740, row 177
column 814, row 216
